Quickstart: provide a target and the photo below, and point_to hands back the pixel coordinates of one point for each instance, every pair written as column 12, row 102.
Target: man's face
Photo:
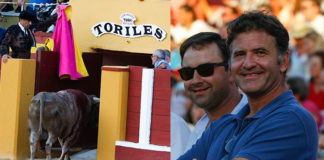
column 309, row 9
column 206, row 92
column 25, row 23
column 154, row 59
column 315, row 66
column 184, row 17
column 228, row 14
column 254, row 63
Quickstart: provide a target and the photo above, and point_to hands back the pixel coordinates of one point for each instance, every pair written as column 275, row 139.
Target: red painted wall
column 123, row 153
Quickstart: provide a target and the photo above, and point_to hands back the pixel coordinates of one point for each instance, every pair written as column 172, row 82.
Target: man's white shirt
column 203, row 122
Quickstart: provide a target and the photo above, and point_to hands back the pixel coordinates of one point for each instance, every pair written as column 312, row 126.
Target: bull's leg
column 49, row 142
column 65, row 150
column 67, row 143
column 33, row 139
column 66, row 156
column 61, row 142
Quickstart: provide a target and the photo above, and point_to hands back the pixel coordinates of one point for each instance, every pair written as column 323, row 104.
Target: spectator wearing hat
column 298, row 58
column 19, row 38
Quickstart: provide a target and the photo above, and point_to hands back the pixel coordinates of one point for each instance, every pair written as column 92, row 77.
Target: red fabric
column 314, row 110
column 316, row 97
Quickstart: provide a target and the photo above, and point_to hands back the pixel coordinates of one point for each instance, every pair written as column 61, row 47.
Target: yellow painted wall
column 113, row 112
column 16, row 90
column 86, row 14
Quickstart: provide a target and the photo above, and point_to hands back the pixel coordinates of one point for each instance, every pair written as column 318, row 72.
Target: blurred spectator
column 9, row 7
column 179, row 100
column 300, row 89
column 175, row 6
column 316, row 66
column 19, row 38
column 33, row 9
column 179, row 135
column 2, row 30
column 284, row 11
column 266, row 8
column 223, row 14
column 47, row 17
column 223, row 30
column 311, row 11
column 199, row 7
column 161, row 59
column 298, row 58
column 313, row 42
column 248, row 5
column 195, row 113
column 175, row 56
column 230, row 13
column 188, row 25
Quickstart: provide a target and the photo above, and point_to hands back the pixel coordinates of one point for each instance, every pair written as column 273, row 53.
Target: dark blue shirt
column 282, row 129
column 2, row 33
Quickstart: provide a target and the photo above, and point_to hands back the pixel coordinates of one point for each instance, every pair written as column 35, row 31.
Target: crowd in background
column 304, row 21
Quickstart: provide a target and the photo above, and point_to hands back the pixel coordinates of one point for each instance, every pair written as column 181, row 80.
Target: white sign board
column 128, row 28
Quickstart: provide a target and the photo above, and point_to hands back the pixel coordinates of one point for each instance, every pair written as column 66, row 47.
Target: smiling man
column 208, row 80
column 273, row 125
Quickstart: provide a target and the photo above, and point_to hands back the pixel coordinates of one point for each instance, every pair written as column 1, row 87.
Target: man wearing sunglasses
column 273, row 125
column 208, row 80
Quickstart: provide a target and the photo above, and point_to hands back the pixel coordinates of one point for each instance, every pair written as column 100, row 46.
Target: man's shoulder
column 13, row 27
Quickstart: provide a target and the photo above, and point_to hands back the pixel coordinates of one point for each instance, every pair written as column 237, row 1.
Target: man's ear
column 285, row 62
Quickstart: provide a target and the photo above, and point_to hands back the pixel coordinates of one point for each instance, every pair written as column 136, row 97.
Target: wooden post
column 113, row 110
column 16, row 90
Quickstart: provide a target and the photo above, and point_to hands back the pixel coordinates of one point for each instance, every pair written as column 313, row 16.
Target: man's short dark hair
column 26, row 16
column 259, row 21
column 202, row 39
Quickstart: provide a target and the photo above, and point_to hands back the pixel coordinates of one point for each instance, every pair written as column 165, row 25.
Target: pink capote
column 64, row 44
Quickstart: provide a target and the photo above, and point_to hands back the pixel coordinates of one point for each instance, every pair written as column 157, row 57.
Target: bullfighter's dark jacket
column 19, row 42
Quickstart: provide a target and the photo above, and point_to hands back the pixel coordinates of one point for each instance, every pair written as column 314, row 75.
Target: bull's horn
column 96, row 99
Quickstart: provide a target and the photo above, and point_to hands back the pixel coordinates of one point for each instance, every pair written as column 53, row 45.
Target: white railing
column 33, row 4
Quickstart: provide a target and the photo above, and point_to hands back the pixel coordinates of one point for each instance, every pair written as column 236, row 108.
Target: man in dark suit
column 19, row 38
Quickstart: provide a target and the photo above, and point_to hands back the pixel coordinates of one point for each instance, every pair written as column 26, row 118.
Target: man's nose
column 249, row 61
column 196, row 77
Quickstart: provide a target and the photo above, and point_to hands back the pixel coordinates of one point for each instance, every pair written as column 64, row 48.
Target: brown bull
column 61, row 114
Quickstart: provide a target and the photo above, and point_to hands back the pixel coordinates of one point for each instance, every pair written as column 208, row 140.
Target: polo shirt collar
column 267, row 109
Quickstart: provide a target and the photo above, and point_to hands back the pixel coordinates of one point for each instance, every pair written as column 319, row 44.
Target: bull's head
column 94, row 113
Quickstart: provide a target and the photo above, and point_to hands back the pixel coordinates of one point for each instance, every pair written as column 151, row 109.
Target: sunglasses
column 204, row 70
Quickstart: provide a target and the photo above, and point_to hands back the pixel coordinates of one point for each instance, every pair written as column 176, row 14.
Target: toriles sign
column 128, row 29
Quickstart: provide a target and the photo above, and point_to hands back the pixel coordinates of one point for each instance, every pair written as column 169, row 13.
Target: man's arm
column 4, row 47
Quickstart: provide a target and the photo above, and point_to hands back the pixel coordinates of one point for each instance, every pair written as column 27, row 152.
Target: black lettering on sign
column 97, row 27
column 118, row 29
column 135, row 31
column 127, row 31
column 158, row 33
column 108, row 29
column 147, row 30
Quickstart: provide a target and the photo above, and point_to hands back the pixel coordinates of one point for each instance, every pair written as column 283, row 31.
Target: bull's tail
column 41, row 108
